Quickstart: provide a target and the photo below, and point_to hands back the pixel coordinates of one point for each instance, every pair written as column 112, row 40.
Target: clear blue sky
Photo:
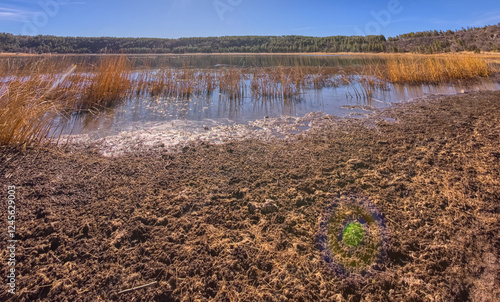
column 200, row 18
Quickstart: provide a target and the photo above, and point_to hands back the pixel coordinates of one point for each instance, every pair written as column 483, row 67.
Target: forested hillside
column 469, row 39
column 466, row 39
column 45, row 44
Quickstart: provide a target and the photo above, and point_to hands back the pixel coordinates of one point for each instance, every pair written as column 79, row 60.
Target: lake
column 209, row 110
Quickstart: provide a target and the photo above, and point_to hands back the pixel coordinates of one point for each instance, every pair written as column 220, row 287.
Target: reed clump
column 177, row 83
column 281, row 82
column 28, row 112
column 35, row 97
column 108, row 84
column 418, row 69
column 231, row 82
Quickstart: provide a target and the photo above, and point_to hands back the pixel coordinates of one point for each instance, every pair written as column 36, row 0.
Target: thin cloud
column 12, row 10
column 4, row 15
column 12, row 14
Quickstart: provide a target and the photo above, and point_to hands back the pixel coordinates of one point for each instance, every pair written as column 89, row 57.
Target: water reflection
column 218, row 107
column 201, row 61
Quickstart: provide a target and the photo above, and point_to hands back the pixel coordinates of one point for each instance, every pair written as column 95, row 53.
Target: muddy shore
column 90, row 227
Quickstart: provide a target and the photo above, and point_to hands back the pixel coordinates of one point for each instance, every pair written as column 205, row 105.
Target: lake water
column 215, row 109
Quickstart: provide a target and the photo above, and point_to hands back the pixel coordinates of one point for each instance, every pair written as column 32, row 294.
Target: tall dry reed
column 418, row 69
column 34, row 94
column 108, row 84
column 35, row 97
column 28, row 114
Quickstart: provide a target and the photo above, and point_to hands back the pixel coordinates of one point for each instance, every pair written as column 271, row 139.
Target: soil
column 239, row 221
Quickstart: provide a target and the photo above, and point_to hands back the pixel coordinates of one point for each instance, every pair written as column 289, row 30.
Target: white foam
column 179, row 133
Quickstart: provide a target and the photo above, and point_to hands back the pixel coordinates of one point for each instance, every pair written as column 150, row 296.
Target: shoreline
column 483, row 54
column 164, row 137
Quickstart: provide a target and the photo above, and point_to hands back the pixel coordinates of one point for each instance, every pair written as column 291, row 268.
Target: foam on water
column 179, row 133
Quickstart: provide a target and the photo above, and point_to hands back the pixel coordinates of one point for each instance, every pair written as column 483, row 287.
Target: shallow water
column 142, row 112
column 146, row 127
column 216, row 109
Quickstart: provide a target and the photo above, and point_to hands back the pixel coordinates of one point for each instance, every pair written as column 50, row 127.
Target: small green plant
column 353, row 234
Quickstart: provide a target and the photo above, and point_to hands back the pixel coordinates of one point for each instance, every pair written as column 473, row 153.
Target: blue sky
column 200, row 18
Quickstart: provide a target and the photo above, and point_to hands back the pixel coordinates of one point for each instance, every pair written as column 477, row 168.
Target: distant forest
column 466, row 39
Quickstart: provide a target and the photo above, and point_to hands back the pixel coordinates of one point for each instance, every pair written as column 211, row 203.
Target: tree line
column 472, row 39
column 226, row 44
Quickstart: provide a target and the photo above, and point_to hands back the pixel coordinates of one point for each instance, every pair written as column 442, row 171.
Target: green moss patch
column 353, row 234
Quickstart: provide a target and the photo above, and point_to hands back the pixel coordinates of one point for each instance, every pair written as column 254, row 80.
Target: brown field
column 91, row 228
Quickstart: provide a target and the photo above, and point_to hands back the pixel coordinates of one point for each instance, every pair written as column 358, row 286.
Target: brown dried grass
column 28, row 111
column 433, row 70
column 108, row 84
column 35, row 93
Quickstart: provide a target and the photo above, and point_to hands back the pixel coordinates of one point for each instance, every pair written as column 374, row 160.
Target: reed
column 161, row 82
column 418, row 69
column 35, row 94
column 281, row 82
column 108, row 84
column 262, row 85
column 171, row 82
column 28, row 113
column 231, row 82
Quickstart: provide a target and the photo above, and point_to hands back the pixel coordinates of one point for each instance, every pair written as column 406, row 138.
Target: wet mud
column 240, row 220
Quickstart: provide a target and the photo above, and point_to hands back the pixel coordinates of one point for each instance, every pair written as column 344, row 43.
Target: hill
column 477, row 39
column 466, row 39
